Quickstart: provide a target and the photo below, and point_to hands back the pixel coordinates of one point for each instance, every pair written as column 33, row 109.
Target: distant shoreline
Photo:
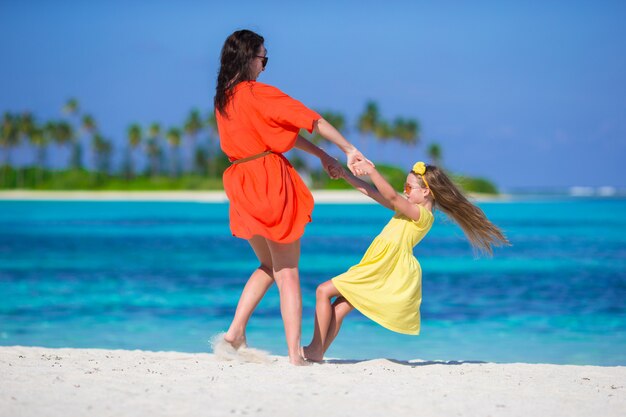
column 320, row 196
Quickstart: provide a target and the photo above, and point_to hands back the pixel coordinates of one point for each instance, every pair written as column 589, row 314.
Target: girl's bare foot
column 312, row 355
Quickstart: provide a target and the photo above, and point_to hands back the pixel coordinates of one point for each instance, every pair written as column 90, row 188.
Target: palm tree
column 7, row 129
column 27, row 124
column 40, row 138
column 134, row 135
column 384, row 131
column 201, row 159
column 153, row 148
column 102, row 152
column 368, row 122
column 71, row 108
column 26, row 128
column 9, row 138
column 407, row 131
column 193, row 125
column 434, row 153
column 173, row 138
column 211, row 123
column 64, row 133
column 88, row 125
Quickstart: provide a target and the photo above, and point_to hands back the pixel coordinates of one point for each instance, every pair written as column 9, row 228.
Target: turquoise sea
column 167, row 276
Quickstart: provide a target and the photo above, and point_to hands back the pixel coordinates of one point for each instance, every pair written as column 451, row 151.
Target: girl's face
column 256, row 65
column 413, row 191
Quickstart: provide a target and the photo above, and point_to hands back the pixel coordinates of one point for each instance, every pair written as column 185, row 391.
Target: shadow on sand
column 405, row 363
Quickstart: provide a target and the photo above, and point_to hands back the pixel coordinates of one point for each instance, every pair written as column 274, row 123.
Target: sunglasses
column 408, row 188
column 264, row 59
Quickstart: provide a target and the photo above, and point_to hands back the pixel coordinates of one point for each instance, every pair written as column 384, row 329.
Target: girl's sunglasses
column 263, row 60
column 408, row 187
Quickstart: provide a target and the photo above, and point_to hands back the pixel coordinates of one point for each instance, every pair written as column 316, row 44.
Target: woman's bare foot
column 312, row 355
column 236, row 341
column 298, row 361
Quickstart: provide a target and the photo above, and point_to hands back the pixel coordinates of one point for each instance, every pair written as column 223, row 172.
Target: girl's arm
column 330, row 164
column 397, row 201
column 367, row 189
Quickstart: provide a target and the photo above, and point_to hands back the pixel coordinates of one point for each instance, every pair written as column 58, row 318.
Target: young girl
column 386, row 285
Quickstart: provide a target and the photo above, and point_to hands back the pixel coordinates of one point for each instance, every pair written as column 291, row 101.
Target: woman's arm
column 309, row 147
column 397, row 201
column 328, row 132
column 330, row 164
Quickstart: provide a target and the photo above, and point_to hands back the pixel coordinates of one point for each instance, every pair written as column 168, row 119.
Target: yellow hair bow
column 420, row 169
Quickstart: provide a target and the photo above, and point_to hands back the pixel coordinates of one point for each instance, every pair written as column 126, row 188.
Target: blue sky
column 529, row 94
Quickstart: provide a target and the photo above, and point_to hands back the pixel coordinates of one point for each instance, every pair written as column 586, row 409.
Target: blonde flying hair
column 447, row 197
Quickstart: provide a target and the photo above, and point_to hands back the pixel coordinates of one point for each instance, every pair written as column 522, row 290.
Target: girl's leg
column 256, row 287
column 285, row 258
column 324, row 316
column 341, row 308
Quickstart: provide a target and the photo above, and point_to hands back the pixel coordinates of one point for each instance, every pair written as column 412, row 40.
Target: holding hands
column 357, row 163
column 363, row 167
column 332, row 167
column 354, row 157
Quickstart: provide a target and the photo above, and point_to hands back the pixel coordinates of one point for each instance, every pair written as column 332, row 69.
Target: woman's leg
column 324, row 316
column 285, row 258
column 256, row 287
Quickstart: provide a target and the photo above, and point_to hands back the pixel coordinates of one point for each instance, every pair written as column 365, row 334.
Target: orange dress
column 267, row 196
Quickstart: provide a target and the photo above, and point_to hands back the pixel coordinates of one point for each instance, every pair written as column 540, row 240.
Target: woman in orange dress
column 269, row 203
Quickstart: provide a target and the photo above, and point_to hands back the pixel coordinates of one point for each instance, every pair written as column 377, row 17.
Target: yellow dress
column 386, row 285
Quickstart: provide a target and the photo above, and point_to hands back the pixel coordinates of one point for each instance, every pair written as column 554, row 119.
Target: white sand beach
column 320, row 196
column 74, row 382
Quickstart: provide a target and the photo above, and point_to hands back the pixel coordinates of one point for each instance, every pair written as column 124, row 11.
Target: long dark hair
column 238, row 51
column 482, row 234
